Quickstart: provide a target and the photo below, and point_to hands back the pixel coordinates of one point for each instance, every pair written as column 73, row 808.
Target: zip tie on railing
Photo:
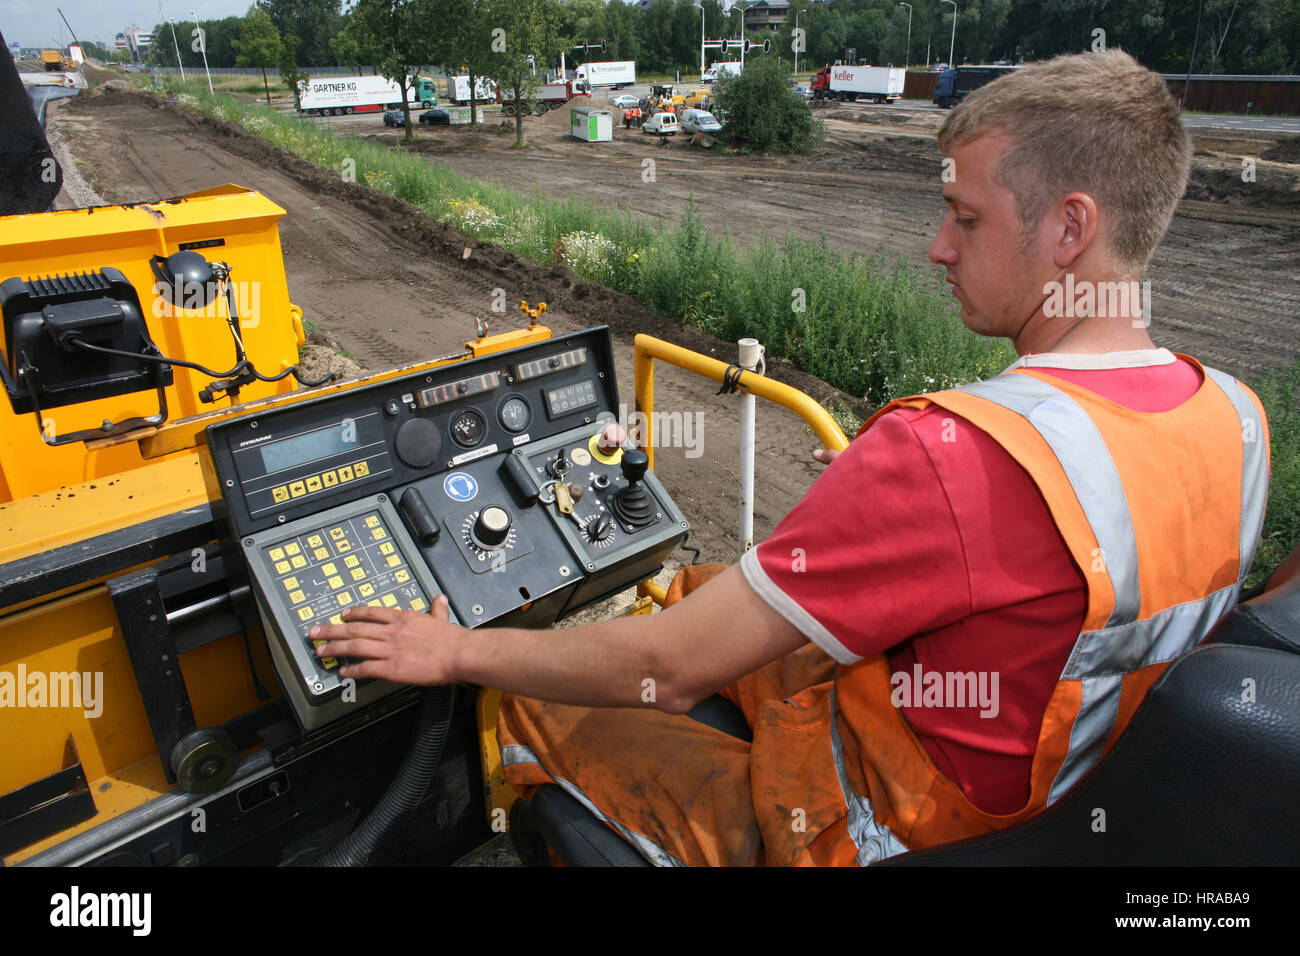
column 731, row 380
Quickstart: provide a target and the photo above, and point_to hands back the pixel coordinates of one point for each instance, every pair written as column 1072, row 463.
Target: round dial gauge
column 468, row 428
column 515, row 414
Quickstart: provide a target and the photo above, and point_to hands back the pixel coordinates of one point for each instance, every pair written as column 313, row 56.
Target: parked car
column 623, row 101
column 699, row 121
column 394, row 118
column 435, row 117
column 661, row 124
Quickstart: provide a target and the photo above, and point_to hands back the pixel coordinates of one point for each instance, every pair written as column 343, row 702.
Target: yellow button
column 418, row 604
column 329, row 663
column 367, row 590
column 372, row 604
column 358, row 574
column 291, row 584
column 336, row 619
column 379, row 534
column 282, row 567
column 305, row 613
column 280, row 493
column 403, row 576
column 328, row 569
column 297, row 489
column 345, row 597
column 330, row 478
column 372, row 521
column 343, row 546
column 361, row 469
column 351, row 561
column 336, row 582
column 299, row 562
column 386, row 548
column 297, row 597
column 313, row 483
column 292, row 548
column 320, row 554
column 390, row 600
column 277, row 554
column 337, row 533
column 315, row 541
column 345, row 473
column 394, row 561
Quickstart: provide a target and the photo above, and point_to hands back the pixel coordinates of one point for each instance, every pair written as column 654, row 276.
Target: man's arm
column 718, row 633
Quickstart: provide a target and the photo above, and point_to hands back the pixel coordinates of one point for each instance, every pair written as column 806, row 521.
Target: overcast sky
column 36, row 23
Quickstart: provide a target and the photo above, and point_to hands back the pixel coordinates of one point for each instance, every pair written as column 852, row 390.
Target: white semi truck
column 614, row 74
column 721, row 70
column 878, row 83
column 336, row 95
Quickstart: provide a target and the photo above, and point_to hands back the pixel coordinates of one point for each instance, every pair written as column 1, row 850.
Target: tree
column 523, row 38
column 400, row 33
column 313, row 22
column 258, row 44
column 463, row 44
column 290, row 74
column 762, row 114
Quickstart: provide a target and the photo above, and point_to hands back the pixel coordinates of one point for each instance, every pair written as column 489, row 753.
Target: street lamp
column 798, row 13
column 742, row 10
column 203, row 48
column 953, row 41
column 907, row 57
column 700, row 7
column 172, row 20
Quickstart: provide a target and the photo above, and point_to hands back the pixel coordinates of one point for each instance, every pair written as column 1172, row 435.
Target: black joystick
column 634, row 504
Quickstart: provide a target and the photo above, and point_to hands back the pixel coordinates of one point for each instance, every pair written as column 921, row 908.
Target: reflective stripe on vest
column 512, row 754
column 1100, row 658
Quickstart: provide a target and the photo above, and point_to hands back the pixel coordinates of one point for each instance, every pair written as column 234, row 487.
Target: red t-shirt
column 926, row 540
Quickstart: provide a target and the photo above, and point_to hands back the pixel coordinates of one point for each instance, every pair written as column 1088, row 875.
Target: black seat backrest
column 1270, row 620
column 1205, row 774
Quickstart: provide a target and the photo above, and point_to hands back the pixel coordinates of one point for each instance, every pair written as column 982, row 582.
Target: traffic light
column 767, row 46
column 746, row 47
column 725, row 44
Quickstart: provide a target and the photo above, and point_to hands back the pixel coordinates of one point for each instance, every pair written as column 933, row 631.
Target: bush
column 763, row 113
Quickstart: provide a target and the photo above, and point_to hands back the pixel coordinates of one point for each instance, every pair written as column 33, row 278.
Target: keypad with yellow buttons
column 310, row 571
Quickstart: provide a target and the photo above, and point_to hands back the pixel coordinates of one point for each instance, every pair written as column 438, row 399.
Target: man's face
column 996, row 275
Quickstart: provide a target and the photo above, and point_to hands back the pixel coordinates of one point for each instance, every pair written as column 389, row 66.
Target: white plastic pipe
column 751, row 355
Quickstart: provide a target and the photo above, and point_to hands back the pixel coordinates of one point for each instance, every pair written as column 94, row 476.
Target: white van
column 699, row 121
column 661, row 124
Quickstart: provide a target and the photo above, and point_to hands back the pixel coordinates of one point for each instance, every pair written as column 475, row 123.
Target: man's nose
column 942, row 250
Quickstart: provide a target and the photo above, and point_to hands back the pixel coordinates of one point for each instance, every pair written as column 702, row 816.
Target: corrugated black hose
column 407, row 789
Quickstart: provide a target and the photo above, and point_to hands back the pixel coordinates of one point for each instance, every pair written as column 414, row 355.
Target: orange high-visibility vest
column 1160, row 511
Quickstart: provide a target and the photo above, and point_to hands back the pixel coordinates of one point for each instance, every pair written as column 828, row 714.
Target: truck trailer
column 615, row 74
column 952, row 85
column 720, row 71
column 548, row 96
column 336, row 95
column 457, row 89
column 880, row 84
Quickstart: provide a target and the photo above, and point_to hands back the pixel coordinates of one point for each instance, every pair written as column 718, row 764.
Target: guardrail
column 752, row 385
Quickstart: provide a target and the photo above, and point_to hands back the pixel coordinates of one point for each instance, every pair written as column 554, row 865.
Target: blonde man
column 966, row 608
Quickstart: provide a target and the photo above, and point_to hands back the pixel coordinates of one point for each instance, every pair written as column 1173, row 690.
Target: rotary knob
column 492, row 526
column 599, row 528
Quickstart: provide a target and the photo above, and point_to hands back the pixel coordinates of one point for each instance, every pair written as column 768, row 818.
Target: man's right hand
column 825, row 455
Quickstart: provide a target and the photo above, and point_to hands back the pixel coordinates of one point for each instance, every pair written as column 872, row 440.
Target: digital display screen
column 570, row 398
column 309, row 446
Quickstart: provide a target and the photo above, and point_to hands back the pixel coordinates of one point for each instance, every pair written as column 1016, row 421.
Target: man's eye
column 965, row 223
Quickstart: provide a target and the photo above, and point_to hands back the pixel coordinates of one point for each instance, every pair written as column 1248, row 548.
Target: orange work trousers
column 684, row 793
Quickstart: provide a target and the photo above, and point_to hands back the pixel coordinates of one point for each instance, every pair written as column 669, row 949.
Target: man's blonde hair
column 1098, row 123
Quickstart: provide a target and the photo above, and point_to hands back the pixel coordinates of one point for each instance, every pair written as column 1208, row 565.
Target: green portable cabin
column 591, row 124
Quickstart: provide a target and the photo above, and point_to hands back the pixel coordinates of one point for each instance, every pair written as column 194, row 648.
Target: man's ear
column 1075, row 226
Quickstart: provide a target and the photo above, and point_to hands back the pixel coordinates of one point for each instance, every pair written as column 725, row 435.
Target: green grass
column 874, row 328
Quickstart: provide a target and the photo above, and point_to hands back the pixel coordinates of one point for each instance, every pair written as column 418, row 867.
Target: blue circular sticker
column 460, row 486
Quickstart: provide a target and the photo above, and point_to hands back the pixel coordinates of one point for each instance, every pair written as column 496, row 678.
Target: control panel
column 503, row 482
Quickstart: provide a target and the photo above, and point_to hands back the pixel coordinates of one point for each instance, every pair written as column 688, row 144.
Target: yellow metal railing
column 648, row 349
